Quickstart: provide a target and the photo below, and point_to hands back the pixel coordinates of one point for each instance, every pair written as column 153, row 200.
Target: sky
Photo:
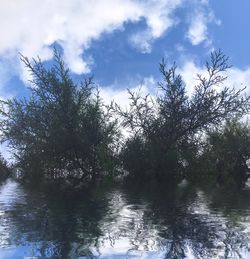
column 121, row 42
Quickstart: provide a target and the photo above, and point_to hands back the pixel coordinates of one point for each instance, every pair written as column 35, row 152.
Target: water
column 135, row 222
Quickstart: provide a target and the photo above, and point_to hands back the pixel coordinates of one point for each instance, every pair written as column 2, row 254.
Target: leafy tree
column 227, row 153
column 5, row 169
column 63, row 130
column 169, row 126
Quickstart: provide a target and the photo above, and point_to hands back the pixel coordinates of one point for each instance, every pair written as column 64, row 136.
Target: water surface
column 116, row 222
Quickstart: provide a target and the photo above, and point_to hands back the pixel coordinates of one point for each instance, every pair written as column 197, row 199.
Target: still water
column 116, row 222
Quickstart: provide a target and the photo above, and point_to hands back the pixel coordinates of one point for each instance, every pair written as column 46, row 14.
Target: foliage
column 63, row 130
column 168, row 128
column 227, row 153
column 5, row 169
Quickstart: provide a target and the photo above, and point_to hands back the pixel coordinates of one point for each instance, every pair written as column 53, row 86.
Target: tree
column 169, row 126
column 227, row 153
column 5, row 169
column 63, row 130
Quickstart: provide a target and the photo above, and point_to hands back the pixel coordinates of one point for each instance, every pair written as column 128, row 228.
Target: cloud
column 120, row 94
column 236, row 78
column 189, row 71
column 32, row 26
column 159, row 18
column 239, row 78
column 200, row 16
column 197, row 32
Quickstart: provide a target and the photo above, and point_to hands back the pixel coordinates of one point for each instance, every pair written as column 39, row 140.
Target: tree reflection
column 128, row 222
column 54, row 224
column 187, row 225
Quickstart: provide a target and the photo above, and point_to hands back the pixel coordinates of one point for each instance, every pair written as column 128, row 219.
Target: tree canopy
column 63, row 129
column 227, row 153
column 168, row 128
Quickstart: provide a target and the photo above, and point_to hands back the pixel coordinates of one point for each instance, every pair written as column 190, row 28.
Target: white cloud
column 120, row 94
column 32, row 26
column 197, row 32
column 189, row 71
column 236, row 78
column 199, row 18
column 239, row 78
column 159, row 18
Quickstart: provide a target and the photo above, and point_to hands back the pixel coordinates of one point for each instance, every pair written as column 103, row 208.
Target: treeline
column 64, row 132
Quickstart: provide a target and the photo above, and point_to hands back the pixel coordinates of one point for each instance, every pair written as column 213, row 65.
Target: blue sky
column 121, row 42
